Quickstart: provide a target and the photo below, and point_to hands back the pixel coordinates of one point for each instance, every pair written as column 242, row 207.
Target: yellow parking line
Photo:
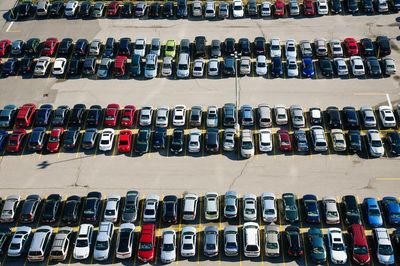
column 387, row 178
column 198, row 231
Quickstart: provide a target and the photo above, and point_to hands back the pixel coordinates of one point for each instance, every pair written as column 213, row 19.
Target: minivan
column 264, row 115
column 251, row 239
column 25, row 115
column 183, row 68
column 359, row 244
column 61, row 243
column 189, row 207
column 39, row 243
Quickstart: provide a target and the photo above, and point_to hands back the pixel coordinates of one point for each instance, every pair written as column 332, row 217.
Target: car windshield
column 102, row 245
column 80, row 243
column 271, row 245
column 110, row 212
column 237, row 7
column 247, row 145
column 385, row 250
column 337, row 247
column 150, row 66
column 360, row 250
column 14, row 246
column 168, row 247
column 231, row 245
column 374, row 212
column 145, row 246
column 376, row 143
column 230, row 208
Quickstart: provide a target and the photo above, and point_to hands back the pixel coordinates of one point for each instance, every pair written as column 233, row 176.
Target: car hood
column 339, row 255
column 81, row 251
column 291, row 215
column 168, row 255
column 145, row 254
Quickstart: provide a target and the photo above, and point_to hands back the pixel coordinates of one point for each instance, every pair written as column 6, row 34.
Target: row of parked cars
column 169, row 210
column 196, row 9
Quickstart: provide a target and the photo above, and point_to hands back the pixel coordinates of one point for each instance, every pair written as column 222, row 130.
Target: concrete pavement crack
column 240, row 174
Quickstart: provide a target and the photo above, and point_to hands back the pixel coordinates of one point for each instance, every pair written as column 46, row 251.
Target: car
column 176, row 146
column 51, row 208
column 150, row 208
column 351, row 47
column 275, row 47
column 151, row 66
column 211, row 241
column 265, row 140
column 383, row 6
column 130, row 211
column 223, row 10
column 104, row 68
column 212, row 116
column 183, row 66
column 189, row 210
column 306, row 48
column 292, row 68
column 368, row 6
column 367, row 47
column 373, row 66
column 350, row 117
column 113, row 9
column 215, row 48
column 125, row 141
column 170, row 48
column 166, row 69
column 182, row 9
column 125, row 241
column 196, row 115
column 159, row 138
column 294, row 8
column 143, row 141
column 103, row 241
column 229, row 66
column 321, row 49
column 211, row 206
column 15, row 140
column 269, row 207
column 71, row 8
column 8, row 115
column 352, row 6
column 56, row 9
column 31, row 47
column 36, row 139
column 229, row 139
column 179, row 115
column 301, row 140
column 112, row 208
column 94, row 116
column 368, row 117
column 83, row 242
column 386, row 116
column 309, row 9
column 359, row 248
column 317, row 246
column 17, row 47
column 85, row 9
column 140, row 47
column 245, row 65
column 3, row 139
column 336, row 246
column 311, row 208
column 373, row 212
column 281, row 117
column 168, row 246
column 391, row 209
column 290, row 49
column 272, row 239
column 26, row 65
column 71, row 137
column 231, row 205
column 237, row 9
column 198, row 67
column 5, row 236
column 127, row 10
column 279, row 8
column 29, row 208
column 251, row 240
column 252, row 8
column 332, row 215
column 333, row 117
column 336, row 49
column 338, row 140
column 42, row 66
column 357, row 66
column 285, row 143
column 293, row 238
column 19, row 241
column 197, row 9
column 43, row 115
column 61, row 115
column 200, row 43
column 5, row 46
column 170, row 209
column 384, row 250
column 194, row 144
column 168, row 10
column 59, row 66
column 213, row 67
column 264, row 115
column 89, row 138
column 393, row 140
column 188, row 241
column 89, row 66
column 389, row 66
column 326, row 67
column 246, row 115
column 98, row 10
column 140, row 9
column 127, row 116
column 354, row 137
column 322, row 7
column 49, row 47
column 374, row 143
column 261, row 65
column 70, row 212
column 231, row 241
column 10, row 67
column 249, row 207
column 145, row 116
column 296, row 114
column 247, row 144
column 308, row 67
column 54, row 141
column 351, row 210
column 75, row 67
column 9, row 209
column 315, row 116
column 91, row 209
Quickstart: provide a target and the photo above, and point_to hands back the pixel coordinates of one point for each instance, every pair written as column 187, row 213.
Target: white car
column 332, row 215
column 212, row 116
column 275, row 47
column 247, row 144
column 265, row 9
column 261, row 65
column 41, row 66
column 107, row 139
column 341, row 66
column 188, row 241
column 213, row 67
column 375, row 145
column 384, row 248
column 10, row 207
column 290, row 49
column 269, row 208
column 231, row 205
column 112, row 207
column 83, row 242
column 250, row 207
column 103, row 241
column 146, row 114
column 179, row 115
column 338, row 140
column 140, row 47
column 151, row 66
column 231, row 240
column 322, row 7
column 19, row 241
column 211, row 239
column 318, row 139
column 198, row 67
column 281, row 116
column 211, row 206
column 197, row 9
column 265, row 140
column 194, row 140
column 183, row 66
column 294, row 8
column 297, row 116
column 126, row 233
column 336, row 48
column 71, row 8
column 292, row 67
column 251, row 247
column 162, row 116
column 357, row 65
column 245, row 65
column 237, row 9
column 150, row 208
column 383, row 6
column 368, row 116
column 59, row 66
column 336, row 246
column 210, row 10
column 166, row 69
column 272, row 245
column 229, row 139
column 387, row 117
column 168, row 246
column 389, row 66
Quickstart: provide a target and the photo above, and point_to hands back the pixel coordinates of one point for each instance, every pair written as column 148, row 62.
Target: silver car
column 162, row 116
column 341, row 66
column 9, row 208
column 95, row 47
column 245, row 65
column 250, row 207
column 213, row 67
column 104, row 67
column 269, row 209
column 168, row 246
column 296, row 113
column 231, row 241
column 211, row 206
column 194, row 140
column 19, row 241
column 321, row 47
column 166, row 69
column 272, row 248
column 151, row 66
column 229, row 139
column 368, row 117
column 306, row 48
column 146, row 113
column 336, row 48
column 294, row 8
column 212, row 116
column 331, row 210
column 223, row 10
column 231, row 205
column 211, row 241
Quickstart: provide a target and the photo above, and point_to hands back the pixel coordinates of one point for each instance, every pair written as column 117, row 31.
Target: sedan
column 29, row 208
column 285, row 143
column 198, row 67
column 393, row 140
column 265, row 140
column 112, row 208
column 317, row 246
column 125, row 141
column 54, row 142
column 311, row 208
column 51, row 208
column 308, row 67
column 340, row 66
column 168, row 246
column 374, row 142
column 357, row 66
column 92, row 207
column 188, row 241
column 293, row 238
column 373, row 66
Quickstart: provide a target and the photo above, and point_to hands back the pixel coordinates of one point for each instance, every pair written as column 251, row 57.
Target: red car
column 359, row 244
column 55, row 139
column 15, row 141
column 351, row 46
column 119, row 65
column 309, row 9
column 49, row 46
column 284, row 140
column 25, row 115
column 147, row 243
column 113, row 9
column 4, row 46
column 128, row 114
column 125, row 141
column 279, row 8
column 111, row 116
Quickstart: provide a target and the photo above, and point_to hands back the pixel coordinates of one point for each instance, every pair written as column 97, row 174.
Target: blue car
column 392, row 210
column 3, row 139
column 311, row 208
column 373, row 212
column 308, row 67
column 276, row 67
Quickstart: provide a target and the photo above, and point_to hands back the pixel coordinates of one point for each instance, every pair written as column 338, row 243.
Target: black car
column 229, row 46
column 89, row 66
column 130, row 212
column 91, row 210
column 143, row 141
column 212, row 140
column 168, row 10
column 126, row 10
column 56, row 9
column 393, row 140
column 43, row 115
column 24, row 10
column 109, row 47
column 36, row 139
column 396, row 240
column 154, row 10
column 81, row 47
column 10, row 67
column 65, row 46
column 32, row 46
column 350, row 117
column 373, row 66
column 125, row 46
column 5, row 235
column 336, row 6
column 125, row 239
column 177, row 141
column 182, row 9
column 184, row 46
column 367, row 47
column 244, row 48
column 293, row 237
column 77, row 114
column 276, row 67
column 71, row 210
column 352, row 6
column 396, row 5
column 229, row 68
column 383, row 46
column 351, row 210
column 85, row 10
column 200, row 46
column 259, row 45
column 354, row 140
column 252, row 9
column 325, row 65
column 75, row 67
column 29, row 208
column 61, row 115
column 333, row 117
column 71, row 137
column 51, row 208
column 170, row 209
column 368, row 6
column 159, row 138
column 26, row 65
column 94, row 116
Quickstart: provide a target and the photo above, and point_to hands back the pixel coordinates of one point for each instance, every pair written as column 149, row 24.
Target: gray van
column 39, row 243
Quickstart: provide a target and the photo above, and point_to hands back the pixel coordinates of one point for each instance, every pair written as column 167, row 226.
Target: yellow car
column 170, row 48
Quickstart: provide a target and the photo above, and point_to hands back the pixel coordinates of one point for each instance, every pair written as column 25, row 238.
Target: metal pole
column 237, row 126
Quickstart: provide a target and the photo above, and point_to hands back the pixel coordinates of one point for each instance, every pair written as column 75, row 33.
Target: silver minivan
column 183, row 68
column 189, row 206
column 39, row 243
column 61, row 243
column 264, row 115
column 42, row 8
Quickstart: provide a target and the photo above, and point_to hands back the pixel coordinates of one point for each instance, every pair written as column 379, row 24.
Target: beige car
column 272, row 241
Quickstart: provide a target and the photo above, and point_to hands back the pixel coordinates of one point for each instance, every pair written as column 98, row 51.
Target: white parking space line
column 9, row 26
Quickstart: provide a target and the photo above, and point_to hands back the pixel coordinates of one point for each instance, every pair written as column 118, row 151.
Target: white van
column 183, row 68
column 251, row 239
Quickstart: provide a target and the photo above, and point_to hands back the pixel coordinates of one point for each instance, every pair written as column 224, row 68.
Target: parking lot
column 79, row 172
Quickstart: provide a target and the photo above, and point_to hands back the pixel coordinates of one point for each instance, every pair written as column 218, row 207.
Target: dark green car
column 290, row 207
column 142, row 141
column 317, row 250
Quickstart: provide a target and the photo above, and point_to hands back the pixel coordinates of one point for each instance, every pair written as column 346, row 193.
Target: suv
column 318, row 139
column 25, row 115
column 39, row 243
column 251, row 239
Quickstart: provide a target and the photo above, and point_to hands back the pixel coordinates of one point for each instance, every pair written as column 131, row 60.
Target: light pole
column 237, row 95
